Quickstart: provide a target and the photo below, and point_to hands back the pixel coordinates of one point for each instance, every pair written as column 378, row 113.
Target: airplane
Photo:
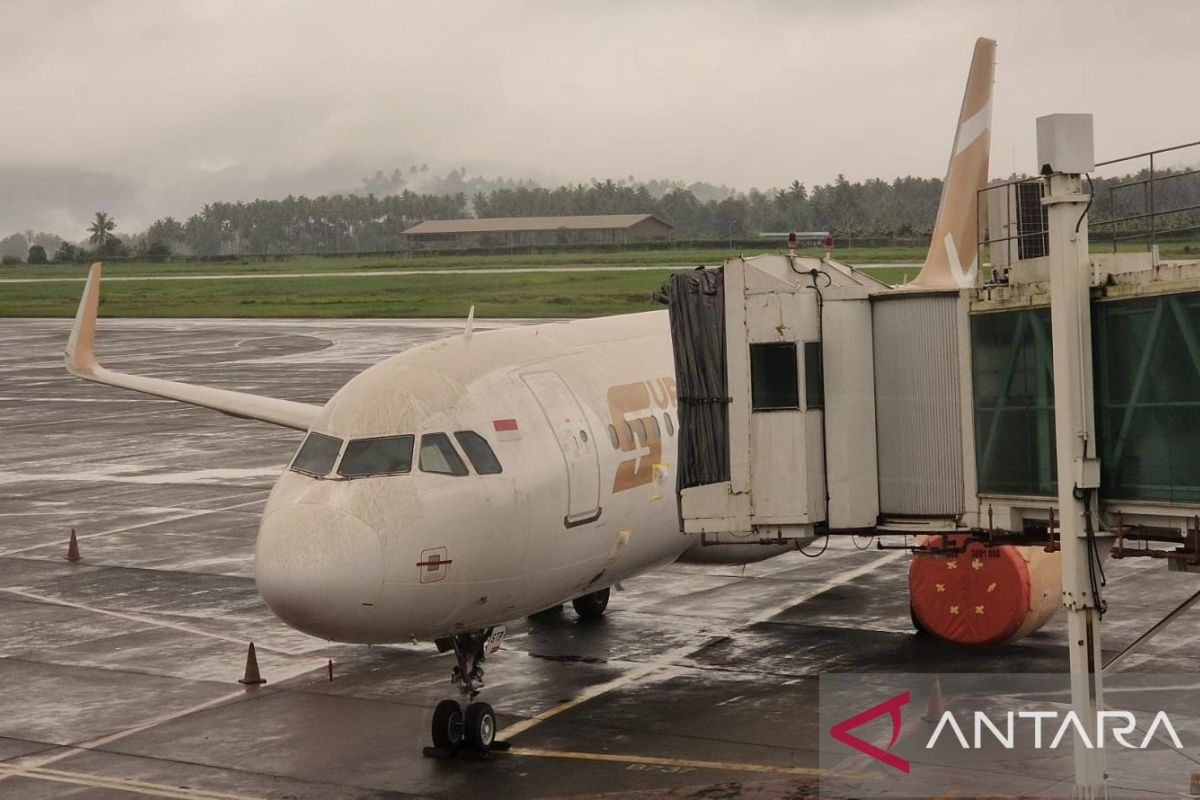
column 465, row 483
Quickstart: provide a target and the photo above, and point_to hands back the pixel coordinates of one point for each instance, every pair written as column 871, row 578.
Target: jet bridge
column 814, row 398
column 1052, row 412
column 776, row 397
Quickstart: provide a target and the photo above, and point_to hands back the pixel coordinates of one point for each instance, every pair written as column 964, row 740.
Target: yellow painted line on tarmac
column 689, row 763
column 119, row 784
column 730, row 766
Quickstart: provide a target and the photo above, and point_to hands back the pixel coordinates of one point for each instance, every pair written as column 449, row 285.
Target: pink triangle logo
column 841, row 731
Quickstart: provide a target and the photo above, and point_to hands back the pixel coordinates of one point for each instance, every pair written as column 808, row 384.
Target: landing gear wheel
column 479, row 726
column 591, row 606
column 476, row 726
column 447, row 725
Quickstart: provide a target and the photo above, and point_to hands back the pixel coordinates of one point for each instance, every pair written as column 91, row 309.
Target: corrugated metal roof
column 594, row 222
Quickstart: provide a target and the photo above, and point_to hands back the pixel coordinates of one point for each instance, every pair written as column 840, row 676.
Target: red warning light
column 792, row 240
column 828, row 245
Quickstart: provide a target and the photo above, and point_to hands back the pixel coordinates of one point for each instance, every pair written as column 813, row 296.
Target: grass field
column 520, row 295
column 256, row 265
column 526, row 294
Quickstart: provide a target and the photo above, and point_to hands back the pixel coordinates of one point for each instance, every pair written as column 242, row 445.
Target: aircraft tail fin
column 82, row 363
column 953, row 258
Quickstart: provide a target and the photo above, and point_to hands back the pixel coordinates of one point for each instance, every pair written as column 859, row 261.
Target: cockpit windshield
column 479, row 452
column 393, row 455
column 317, row 455
column 439, row 456
column 385, row 455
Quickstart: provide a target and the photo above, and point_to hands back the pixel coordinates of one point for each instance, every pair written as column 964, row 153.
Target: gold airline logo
column 632, row 408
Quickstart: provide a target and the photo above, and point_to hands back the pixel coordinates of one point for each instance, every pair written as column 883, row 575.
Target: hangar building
column 506, row 231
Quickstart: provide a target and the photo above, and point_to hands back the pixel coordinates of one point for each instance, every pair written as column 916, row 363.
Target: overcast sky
column 746, row 94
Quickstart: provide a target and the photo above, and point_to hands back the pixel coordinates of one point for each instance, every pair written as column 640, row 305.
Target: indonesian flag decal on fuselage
column 506, row 429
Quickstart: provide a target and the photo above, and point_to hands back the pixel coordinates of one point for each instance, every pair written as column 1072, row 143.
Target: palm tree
column 100, row 229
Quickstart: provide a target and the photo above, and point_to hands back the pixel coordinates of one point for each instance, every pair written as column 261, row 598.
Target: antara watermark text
column 1116, row 725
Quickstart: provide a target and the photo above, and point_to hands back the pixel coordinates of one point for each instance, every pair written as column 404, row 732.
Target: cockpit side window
column 439, row 456
column 479, row 452
column 383, row 455
column 316, row 455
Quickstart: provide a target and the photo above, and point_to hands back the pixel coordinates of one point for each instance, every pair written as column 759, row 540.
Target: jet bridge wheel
column 447, row 725
column 591, row 606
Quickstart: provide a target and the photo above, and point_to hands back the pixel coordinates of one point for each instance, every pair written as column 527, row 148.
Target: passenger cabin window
column 612, row 435
column 670, row 424
column 655, row 428
column 383, row 455
column 439, row 456
column 316, row 455
column 479, row 452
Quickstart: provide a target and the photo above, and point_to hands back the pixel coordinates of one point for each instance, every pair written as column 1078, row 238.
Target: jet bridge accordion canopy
column 697, row 310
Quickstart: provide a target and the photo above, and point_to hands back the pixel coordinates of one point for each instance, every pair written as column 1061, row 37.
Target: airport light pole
column 1065, row 154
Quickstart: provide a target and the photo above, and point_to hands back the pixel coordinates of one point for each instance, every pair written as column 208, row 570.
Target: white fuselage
column 586, row 497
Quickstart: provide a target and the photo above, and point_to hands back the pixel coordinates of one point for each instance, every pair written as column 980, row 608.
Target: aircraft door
column 576, row 441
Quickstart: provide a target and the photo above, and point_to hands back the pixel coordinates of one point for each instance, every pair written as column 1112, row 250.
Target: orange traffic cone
column 73, row 548
column 251, row 678
column 937, row 704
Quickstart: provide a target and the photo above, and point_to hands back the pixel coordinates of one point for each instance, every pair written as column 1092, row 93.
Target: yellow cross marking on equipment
column 953, row 609
column 978, row 609
column 991, row 587
column 941, row 587
column 976, row 563
column 951, row 565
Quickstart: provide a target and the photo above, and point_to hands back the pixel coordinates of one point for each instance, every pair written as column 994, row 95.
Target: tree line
column 347, row 223
column 364, row 221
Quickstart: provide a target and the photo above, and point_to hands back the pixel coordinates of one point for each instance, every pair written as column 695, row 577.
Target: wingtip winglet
column 80, row 354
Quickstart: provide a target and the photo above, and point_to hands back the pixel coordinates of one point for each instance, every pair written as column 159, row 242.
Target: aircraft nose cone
column 320, row 570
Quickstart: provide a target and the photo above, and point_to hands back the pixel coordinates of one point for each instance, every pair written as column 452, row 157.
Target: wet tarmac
column 118, row 673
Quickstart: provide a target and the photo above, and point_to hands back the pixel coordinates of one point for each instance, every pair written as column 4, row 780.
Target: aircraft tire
column 480, row 726
column 591, row 606
column 447, row 725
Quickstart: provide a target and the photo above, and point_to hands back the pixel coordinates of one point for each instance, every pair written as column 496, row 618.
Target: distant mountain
column 58, row 199
column 62, row 200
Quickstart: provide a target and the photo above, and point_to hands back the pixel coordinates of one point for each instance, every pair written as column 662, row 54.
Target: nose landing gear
column 475, row 726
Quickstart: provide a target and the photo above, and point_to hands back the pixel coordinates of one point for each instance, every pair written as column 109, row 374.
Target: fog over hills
column 62, row 200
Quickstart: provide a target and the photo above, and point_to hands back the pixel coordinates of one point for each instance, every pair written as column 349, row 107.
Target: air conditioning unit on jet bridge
column 774, row 366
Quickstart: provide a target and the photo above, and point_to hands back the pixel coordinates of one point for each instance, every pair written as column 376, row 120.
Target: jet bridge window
column 439, row 456
column 316, row 455
column 383, row 455
column 479, row 452
column 774, row 382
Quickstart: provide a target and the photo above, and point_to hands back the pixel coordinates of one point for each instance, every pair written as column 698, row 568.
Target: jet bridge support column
column 1064, row 155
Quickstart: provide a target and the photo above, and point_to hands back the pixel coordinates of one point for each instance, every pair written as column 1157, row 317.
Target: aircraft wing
column 81, row 362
